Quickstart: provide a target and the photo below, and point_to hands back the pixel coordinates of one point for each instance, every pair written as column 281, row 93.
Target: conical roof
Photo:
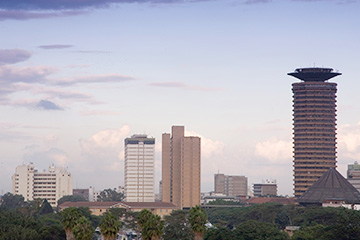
column 331, row 186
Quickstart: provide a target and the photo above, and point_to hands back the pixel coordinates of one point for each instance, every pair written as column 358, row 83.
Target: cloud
column 349, row 141
column 181, row 85
column 44, row 159
column 48, row 105
column 276, row 151
column 11, row 56
column 10, row 74
column 256, row 1
column 55, row 46
column 25, row 15
column 209, row 147
column 99, row 113
column 105, row 78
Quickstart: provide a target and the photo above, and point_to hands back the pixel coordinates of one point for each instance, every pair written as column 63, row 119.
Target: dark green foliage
column 110, row 195
column 83, row 229
column 219, row 234
column 109, row 226
column 152, row 228
column 178, row 226
column 46, row 208
column 256, row 230
column 10, row 201
column 223, row 202
column 72, row 198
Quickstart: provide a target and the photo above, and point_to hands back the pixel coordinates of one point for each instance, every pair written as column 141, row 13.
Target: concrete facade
column 314, row 121
column 231, row 185
column 51, row 185
column 181, row 166
column 139, row 168
column 265, row 189
column 353, row 175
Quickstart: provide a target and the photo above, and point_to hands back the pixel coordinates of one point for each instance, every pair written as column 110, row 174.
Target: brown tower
column 180, row 169
column 314, row 122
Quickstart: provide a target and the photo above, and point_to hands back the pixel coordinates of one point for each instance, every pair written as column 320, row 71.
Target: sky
column 78, row 77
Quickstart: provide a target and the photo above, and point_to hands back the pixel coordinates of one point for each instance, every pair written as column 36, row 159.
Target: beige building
column 51, row 185
column 139, row 168
column 98, row 208
column 231, row 185
column 181, row 165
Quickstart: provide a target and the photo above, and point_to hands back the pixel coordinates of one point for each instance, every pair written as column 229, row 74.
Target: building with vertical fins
column 139, row 168
column 181, row 165
column 314, row 125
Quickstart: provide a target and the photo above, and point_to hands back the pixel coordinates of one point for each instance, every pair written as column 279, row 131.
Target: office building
column 181, row 165
column 230, row 185
column 314, row 125
column 51, row 185
column 139, row 168
column 265, row 189
column 353, row 175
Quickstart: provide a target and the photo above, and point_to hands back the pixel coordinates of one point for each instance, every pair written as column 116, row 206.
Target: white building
column 139, row 168
column 51, row 185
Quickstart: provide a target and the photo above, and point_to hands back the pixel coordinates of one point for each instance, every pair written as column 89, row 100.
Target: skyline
column 74, row 80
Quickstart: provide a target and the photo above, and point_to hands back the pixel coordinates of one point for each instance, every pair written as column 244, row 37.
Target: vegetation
column 198, row 219
column 72, row 198
column 110, row 195
column 20, row 220
column 109, row 226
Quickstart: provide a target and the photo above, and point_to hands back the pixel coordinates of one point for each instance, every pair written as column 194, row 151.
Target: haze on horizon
column 76, row 78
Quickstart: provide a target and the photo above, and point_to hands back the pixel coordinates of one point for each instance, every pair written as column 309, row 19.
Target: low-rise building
column 98, row 208
column 268, row 188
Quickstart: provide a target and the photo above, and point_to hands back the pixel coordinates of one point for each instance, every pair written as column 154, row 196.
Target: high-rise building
column 314, row 125
column 353, row 175
column 51, row 185
column 231, row 185
column 181, row 165
column 139, row 168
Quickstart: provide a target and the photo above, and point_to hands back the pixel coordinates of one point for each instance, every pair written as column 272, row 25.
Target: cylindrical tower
column 314, row 122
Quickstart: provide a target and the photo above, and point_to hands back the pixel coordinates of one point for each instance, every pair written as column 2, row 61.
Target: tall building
column 139, row 168
column 181, row 165
column 353, row 175
column 51, row 185
column 230, row 185
column 314, row 125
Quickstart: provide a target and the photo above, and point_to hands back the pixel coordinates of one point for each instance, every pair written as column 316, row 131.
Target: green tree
column 153, row 228
column 45, row 208
column 11, row 201
column 110, row 195
column 109, row 226
column 177, row 226
column 143, row 217
column 83, row 229
column 219, row 234
column 70, row 217
column 72, row 198
column 256, row 230
column 198, row 219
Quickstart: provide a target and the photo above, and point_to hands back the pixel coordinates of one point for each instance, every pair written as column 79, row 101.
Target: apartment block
column 231, row 185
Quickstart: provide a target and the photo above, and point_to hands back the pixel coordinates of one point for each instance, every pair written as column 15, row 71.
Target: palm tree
column 144, row 215
column 109, row 226
column 153, row 228
column 69, row 218
column 198, row 219
column 83, row 229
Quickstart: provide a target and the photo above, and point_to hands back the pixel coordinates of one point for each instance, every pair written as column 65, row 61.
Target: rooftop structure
column 332, row 186
column 314, row 121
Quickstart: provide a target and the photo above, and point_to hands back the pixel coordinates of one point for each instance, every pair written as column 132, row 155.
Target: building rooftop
column 314, row 74
column 115, row 204
column 332, row 186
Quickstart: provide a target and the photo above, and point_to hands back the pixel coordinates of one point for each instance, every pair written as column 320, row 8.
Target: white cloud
column 209, row 147
column 276, row 151
column 349, row 141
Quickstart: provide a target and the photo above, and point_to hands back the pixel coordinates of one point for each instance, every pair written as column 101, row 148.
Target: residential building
column 314, row 121
column 268, row 188
column 181, row 166
column 140, row 168
column 51, row 185
column 231, row 185
column 98, row 208
column 353, row 175
column 83, row 192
